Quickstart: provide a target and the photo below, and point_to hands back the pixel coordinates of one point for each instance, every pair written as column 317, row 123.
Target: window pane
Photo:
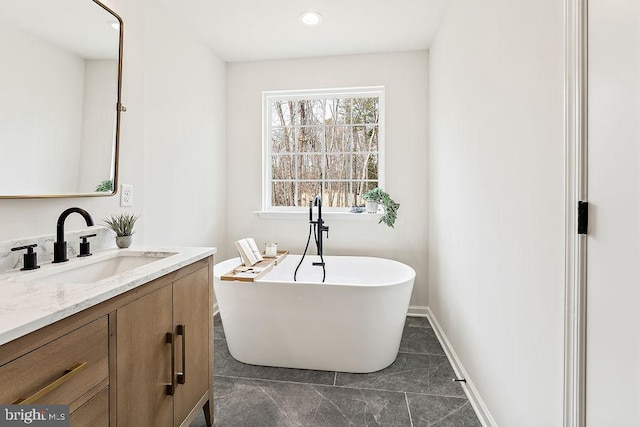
column 309, row 166
column 307, row 191
column 282, row 167
column 338, row 111
column 365, row 110
column 365, row 166
column 337, row 195
column 361, row 187
column 311, row 111
column 365, row 138
column 284, row 113
column 277, row 114
column 310, row 139
column 338, row 139
column 283, row 140
column 338, row 167
column 282, row 193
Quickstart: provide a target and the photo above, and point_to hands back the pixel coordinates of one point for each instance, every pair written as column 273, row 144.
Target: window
column 328, row 143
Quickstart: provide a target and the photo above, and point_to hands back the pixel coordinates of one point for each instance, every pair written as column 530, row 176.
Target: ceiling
column 249, row 30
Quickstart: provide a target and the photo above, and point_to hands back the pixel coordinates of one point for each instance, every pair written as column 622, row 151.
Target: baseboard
column 216, row 310
column 471, row 391
column 418, row 311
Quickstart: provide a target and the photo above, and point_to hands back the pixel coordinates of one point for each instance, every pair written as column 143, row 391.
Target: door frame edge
column 576, row 128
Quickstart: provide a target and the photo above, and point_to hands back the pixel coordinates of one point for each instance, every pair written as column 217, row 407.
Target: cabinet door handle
column 182, row 376
column 68, row 374
column 171, row 387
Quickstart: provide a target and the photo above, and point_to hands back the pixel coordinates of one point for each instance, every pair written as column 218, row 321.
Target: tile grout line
column 421, row 354
column 406, row 399
column 335, row 378
column 343, row 386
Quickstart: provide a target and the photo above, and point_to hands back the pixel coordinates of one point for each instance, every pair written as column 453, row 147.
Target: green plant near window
column 105, row 186
column 378, row 195
column 122, row 223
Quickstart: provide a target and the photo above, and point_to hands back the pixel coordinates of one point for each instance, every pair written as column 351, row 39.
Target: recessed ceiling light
column 311, row 18
column 114, row 24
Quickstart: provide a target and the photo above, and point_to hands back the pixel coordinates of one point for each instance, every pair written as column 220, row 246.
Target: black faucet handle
column 85, row 248
column 30, row 259
column 29, row 248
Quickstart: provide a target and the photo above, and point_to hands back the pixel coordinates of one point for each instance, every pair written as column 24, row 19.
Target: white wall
column 404, row 76
column 21, row 218
column 42, row 95
column 496, row 215
column 185, row 137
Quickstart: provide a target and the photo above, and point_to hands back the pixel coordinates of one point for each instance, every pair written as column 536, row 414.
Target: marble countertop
column 27, row 305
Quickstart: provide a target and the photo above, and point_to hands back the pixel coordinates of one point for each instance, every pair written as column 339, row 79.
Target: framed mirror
column 60, row 86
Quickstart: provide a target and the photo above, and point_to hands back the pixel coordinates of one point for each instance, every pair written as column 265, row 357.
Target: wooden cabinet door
column 191, row 315
column 144, row 361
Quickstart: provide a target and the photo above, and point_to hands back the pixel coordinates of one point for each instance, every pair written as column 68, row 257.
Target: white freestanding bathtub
column 352, row 322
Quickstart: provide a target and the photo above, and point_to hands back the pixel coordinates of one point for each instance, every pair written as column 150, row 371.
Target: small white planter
column 372, row 207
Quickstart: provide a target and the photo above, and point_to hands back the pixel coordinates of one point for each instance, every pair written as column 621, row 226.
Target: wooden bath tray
column 250, row 274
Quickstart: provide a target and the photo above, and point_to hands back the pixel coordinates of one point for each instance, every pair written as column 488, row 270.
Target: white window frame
column 354, row 92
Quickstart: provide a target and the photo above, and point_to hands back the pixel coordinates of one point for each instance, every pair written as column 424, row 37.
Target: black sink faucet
column 60, row 246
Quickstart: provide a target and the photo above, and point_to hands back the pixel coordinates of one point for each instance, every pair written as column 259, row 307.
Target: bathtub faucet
column 319, row 227
column 316, row 228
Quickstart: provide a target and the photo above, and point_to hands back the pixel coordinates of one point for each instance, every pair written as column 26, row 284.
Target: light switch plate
column 126, row 195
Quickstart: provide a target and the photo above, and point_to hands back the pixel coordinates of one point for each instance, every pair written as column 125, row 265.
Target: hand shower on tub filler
column 316, row 228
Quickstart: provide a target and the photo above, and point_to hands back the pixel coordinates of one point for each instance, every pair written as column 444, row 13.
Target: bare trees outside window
column 325, row 144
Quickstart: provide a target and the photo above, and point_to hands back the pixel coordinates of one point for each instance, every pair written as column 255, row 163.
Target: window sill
column 337, row 216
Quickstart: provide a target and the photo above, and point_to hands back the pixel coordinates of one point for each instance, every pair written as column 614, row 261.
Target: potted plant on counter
column 122, row 224
column 377, row 196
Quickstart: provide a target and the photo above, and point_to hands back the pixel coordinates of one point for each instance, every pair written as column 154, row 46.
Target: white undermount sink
column 90, row 270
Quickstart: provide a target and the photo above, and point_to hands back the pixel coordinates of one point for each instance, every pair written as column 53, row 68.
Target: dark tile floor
column 416, row 390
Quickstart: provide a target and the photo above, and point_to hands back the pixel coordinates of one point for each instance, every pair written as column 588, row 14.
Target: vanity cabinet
column 163, row 353
column 141, row 358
